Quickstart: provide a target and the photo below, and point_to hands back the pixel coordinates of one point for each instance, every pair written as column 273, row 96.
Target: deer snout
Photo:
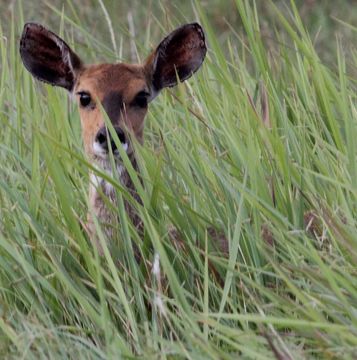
column 104, row 139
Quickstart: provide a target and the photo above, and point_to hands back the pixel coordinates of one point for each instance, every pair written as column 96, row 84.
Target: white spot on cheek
column 125, row 147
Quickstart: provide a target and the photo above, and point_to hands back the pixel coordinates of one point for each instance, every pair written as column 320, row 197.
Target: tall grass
column 260, row 145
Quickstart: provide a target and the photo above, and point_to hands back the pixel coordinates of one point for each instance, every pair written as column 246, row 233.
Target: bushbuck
column 123, row 91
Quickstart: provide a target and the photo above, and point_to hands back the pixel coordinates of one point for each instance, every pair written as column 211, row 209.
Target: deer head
column 123, row 90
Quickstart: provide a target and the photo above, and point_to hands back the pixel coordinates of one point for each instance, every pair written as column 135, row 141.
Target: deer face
column 122, row 90
column 123, row 93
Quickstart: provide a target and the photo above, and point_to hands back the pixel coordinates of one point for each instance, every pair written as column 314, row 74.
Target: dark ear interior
column 47, row 57
column 181, row 52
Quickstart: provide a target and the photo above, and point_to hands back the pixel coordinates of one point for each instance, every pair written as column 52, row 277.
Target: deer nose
column 102, row 138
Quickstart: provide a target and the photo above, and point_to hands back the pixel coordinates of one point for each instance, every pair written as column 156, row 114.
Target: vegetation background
column 260, row 145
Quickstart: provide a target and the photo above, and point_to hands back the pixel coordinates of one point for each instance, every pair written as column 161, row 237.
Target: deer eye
column 84, row 98
column 141, row 99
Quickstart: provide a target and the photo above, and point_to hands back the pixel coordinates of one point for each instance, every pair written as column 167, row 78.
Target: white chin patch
column 98, row 150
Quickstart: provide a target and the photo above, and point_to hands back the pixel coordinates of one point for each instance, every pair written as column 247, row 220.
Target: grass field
column 260, row 144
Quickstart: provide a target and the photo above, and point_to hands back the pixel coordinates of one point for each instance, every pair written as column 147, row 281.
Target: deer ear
column 47, row 57
column 180, row 54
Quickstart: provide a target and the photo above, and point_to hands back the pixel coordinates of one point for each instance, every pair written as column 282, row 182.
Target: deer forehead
column 101, row 80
